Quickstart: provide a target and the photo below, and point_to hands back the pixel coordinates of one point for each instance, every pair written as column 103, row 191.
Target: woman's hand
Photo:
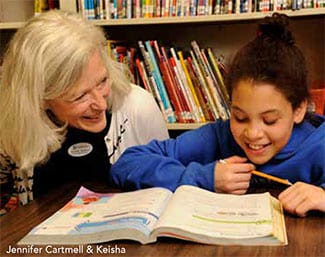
column 232, row 175
column 302, row 197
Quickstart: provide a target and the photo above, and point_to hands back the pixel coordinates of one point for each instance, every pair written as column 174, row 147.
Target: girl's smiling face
column 262, row 119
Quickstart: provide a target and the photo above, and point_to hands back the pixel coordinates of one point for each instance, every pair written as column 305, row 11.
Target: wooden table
column 306, row 236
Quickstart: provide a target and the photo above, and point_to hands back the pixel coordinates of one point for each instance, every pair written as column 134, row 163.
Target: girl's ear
column 300, row 111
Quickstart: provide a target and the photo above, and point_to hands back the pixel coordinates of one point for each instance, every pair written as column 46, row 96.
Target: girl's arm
column 188, row 159
column 302, row 197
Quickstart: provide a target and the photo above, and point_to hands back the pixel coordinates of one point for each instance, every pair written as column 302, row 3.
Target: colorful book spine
column 204, row 85
column 192, row 8
column 176, row 85
column 91, row 10
column 219, row 77
column 221, row 103
column 204, row 103
column 200, row 114
column 97, row 9
column 136, row 9
column 161, row 87
column 151, row 79
column 39, row 7
column 210, row 81
column 167, row 8
column 186, row 89
column 170, row 85
column 53, row 4
column 143, row 75
column 187, row 108
column 158, row 81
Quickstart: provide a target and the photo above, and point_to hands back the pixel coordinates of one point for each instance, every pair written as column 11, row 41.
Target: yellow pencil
column 267, row 176
column 270, row 177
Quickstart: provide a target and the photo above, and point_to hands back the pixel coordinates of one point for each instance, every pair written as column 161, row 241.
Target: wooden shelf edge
column 11, row 25
column 184, row 126
column 188, row 19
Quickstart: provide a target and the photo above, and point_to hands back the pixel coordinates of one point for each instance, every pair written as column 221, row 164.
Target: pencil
column 273, row 178
column 267, row 176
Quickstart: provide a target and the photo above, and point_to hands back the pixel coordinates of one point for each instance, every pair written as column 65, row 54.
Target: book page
column 278, row 217
column 91, row 212
column 215, row 215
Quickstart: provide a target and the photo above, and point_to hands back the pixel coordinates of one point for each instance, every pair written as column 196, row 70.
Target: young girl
column 269, row 130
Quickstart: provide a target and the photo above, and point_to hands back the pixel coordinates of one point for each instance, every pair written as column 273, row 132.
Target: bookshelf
column 220, row 18
column 224, row 33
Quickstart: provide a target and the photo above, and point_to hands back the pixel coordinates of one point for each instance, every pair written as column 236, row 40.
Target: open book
column 190, row 213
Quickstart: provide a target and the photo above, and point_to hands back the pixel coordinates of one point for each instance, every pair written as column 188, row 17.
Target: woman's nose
column 99, row 100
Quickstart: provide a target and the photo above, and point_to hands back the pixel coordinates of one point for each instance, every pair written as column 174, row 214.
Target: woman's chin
column 94, row 126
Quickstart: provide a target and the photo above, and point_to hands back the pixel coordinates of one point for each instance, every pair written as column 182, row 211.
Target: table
column 306, row 236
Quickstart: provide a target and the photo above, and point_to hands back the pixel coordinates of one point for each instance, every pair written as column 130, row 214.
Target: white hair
column 44, row 58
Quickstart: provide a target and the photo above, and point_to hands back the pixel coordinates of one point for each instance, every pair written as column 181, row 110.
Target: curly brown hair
column 273, row 58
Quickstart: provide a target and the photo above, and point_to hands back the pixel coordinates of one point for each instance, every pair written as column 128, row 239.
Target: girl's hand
column 232, row 175
column 302, row 197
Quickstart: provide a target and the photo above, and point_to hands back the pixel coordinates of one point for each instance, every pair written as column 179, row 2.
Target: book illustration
column 190, row 213
column 89, row 212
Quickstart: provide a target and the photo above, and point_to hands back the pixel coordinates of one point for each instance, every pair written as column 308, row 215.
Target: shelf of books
column 186, row 82
column 206, row 18
column 188, row 87
column 186, row 19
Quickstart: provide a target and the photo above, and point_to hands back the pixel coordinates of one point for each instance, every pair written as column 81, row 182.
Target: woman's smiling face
column 84, row 106
column 262, row 120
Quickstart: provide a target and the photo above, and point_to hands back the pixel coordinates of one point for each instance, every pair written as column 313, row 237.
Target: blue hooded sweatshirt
column 190, row 159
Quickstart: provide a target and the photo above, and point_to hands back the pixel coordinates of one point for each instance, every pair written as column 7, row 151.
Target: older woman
column 67, row 109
